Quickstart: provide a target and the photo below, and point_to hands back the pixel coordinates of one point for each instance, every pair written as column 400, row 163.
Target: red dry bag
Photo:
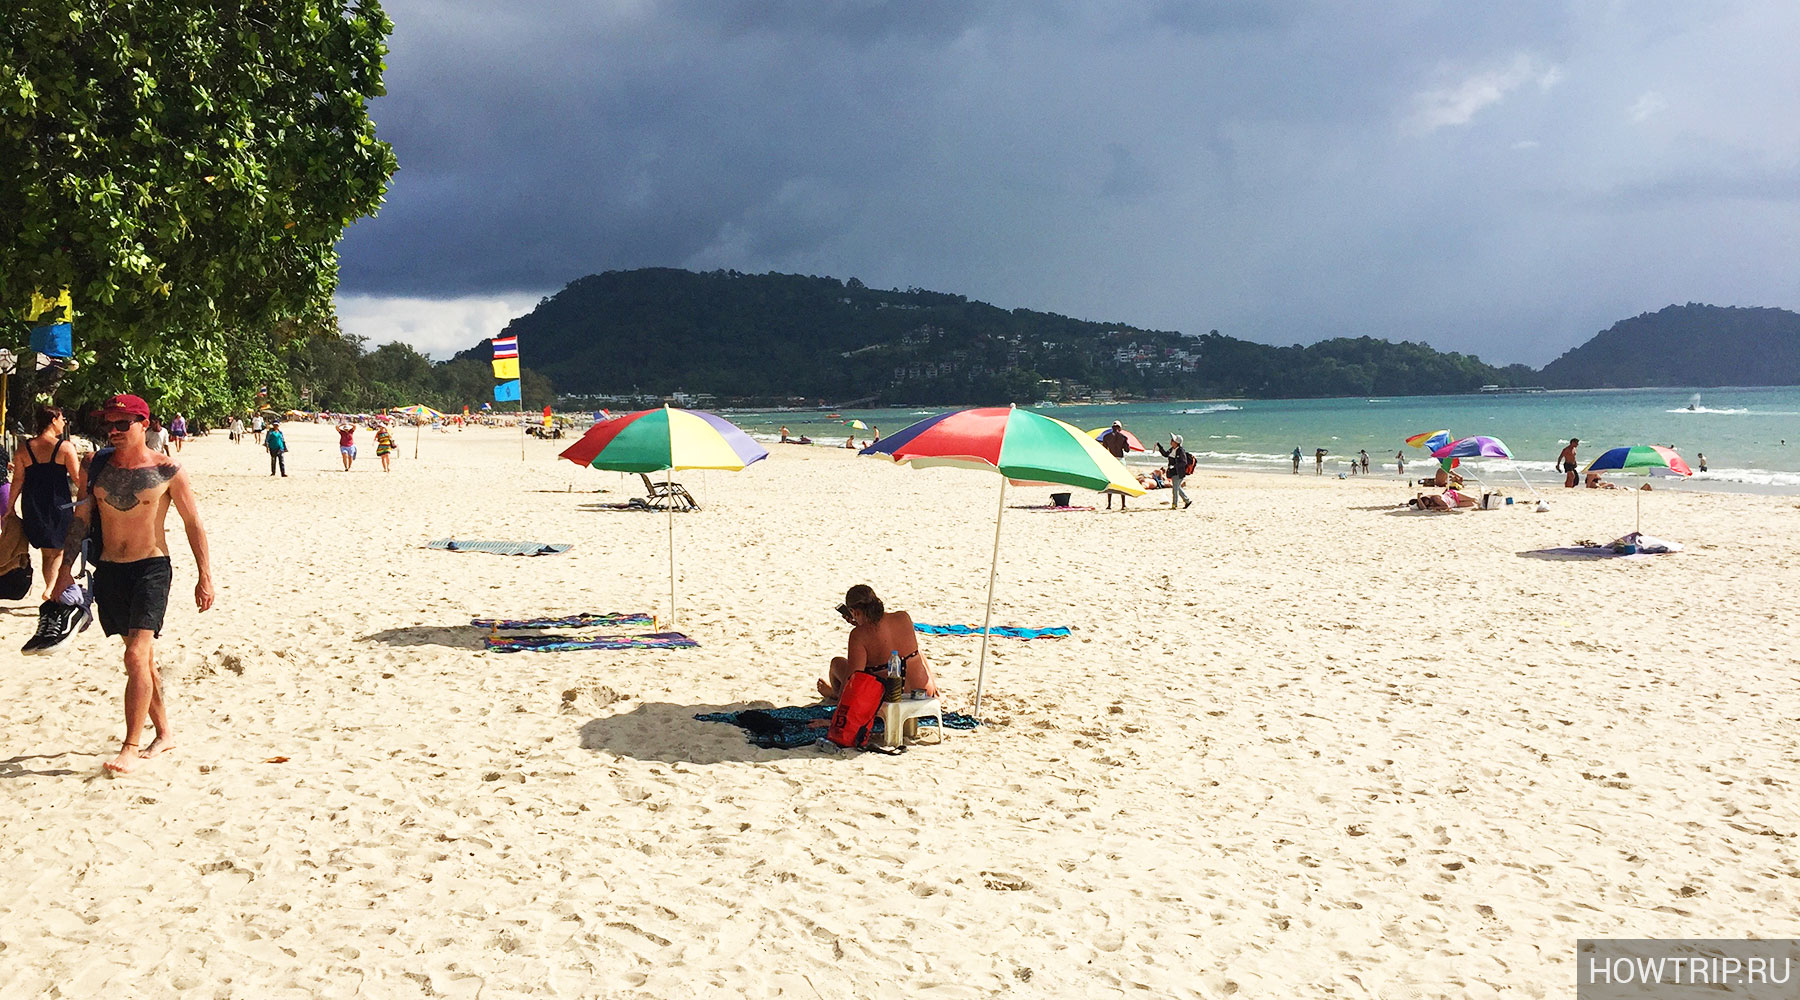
column 855, row 714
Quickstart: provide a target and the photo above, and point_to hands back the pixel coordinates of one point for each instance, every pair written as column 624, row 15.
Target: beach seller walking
column 1116, row 445
column 384, row 447
column 46, row 476
column 276, row 442
column 129, row 492
column 1179, row 461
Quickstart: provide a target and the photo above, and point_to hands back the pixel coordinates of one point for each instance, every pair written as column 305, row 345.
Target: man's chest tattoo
column 120, row 488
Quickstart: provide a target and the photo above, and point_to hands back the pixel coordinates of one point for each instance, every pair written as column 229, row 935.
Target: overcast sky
column 1505, row 179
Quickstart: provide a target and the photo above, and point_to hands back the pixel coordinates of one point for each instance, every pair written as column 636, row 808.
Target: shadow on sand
column 450, row 636
column 669, row 733
column 14, row 767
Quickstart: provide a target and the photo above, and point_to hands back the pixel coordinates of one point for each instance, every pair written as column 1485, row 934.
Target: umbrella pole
column 1640, row 510
column 670, row 502
column 988, row 616
column 416, row 431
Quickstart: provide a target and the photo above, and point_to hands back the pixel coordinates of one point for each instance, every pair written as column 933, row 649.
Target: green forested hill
column 1690, row 345
column 781, row 336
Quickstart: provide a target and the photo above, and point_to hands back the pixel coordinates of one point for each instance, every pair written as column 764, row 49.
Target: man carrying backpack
column 1180, row 465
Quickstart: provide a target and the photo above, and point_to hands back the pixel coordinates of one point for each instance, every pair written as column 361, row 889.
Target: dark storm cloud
column 1501, row 178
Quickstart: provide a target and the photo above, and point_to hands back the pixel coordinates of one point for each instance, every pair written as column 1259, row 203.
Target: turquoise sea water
column 1741, row 431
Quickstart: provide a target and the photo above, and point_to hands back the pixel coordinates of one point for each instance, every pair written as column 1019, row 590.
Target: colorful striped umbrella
column 1026, row 448
column 420, row 413
column 1642, row 456
column 665, row 439
column 662, row 441
column 1430, row 440
column 1131, row 440
column 1477, row 446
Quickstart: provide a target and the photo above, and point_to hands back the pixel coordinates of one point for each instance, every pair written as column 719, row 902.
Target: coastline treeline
column 778, row 337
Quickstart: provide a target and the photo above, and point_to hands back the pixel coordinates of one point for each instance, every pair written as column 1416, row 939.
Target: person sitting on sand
column 876, row 632
column 1594, row 482
column 1443, row 478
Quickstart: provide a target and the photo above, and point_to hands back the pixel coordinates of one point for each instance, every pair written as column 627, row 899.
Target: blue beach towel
column 1000, row 631
column 787, row 728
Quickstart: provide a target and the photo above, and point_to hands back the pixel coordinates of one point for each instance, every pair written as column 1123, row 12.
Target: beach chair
column 660, row 496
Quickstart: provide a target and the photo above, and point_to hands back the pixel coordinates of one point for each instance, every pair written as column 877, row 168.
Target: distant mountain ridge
column 780, row 338
column 785, row 337
column 1687, row 345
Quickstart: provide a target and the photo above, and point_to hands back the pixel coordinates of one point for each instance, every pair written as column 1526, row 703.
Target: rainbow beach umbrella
column 419, row 413
column 662, row 441
column 1025, row 448
column 1430, row 440
column 1641, row 456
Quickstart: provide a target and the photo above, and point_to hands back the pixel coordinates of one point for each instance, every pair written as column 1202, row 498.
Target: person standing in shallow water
column 130, row 491
column 1296, row 460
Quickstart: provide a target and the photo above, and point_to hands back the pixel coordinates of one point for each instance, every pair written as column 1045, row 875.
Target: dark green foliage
column 1690, row 345
column 781, row 336
column 185, row 165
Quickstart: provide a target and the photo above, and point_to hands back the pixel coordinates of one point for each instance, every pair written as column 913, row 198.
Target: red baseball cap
column 125, row 406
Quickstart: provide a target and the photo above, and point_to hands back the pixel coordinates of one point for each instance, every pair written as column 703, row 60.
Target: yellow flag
column 506, row 367
column 41, row 305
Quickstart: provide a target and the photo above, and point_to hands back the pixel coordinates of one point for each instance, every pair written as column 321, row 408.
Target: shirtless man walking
column 130, row 489
column 1566, row 462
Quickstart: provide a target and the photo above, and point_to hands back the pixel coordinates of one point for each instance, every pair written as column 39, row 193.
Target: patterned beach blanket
column 610, row 619
column 1047, row 506
column 562, row 643
column 787, row 728
column 497, row 548
column 1000, row 631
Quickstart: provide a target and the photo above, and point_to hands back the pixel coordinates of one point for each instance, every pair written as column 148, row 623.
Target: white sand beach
column 1300, row 744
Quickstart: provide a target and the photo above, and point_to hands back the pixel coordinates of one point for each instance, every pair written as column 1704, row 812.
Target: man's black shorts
column 132, row 595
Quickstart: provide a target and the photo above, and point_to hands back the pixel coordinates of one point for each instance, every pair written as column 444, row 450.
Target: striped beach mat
column 497, row 548
column 564, row 643
column 610, row 619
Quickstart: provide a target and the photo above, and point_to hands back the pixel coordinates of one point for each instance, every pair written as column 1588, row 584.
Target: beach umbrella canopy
column 664, row 440
column 1642, row 456
column 1477, row 446
column 1131, row 440
column 856, row 425
column 1023, row 447
column 1430, row 440
column 1648, row 457
column 418, row 411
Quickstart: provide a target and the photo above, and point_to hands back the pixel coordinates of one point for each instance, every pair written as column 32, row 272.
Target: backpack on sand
column 855, row 715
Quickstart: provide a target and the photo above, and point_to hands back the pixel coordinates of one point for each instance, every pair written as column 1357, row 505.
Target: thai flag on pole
column 506, row 347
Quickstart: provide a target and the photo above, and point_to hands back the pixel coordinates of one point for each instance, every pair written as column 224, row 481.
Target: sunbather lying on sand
column 877, row 633
column 1449, row 501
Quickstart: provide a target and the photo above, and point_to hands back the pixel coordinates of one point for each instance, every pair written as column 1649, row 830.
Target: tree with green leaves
column 185, row 165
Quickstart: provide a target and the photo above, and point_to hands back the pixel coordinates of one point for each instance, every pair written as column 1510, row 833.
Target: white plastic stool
column 899, row 719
